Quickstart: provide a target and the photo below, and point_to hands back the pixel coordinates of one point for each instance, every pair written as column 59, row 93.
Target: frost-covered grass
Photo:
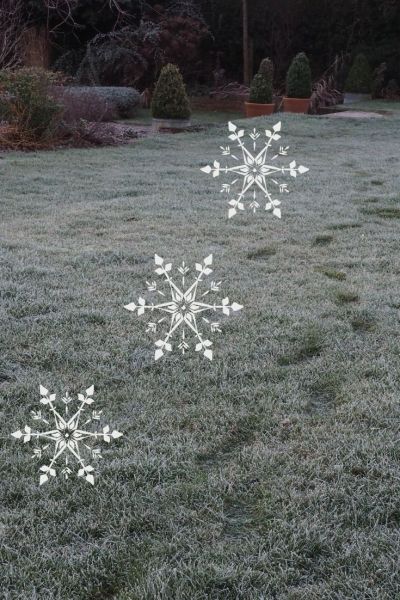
column 270, row 473
column 198, row 117
column 376, row 105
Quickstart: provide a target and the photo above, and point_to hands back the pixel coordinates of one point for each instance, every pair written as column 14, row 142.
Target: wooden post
column 246, row 62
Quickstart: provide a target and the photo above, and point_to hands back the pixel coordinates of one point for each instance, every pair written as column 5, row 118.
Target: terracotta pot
column 258, row 110
column 296, row 105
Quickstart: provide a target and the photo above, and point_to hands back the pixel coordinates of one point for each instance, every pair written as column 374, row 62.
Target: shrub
column 170, row 100
column 298, row 79
column 95, row 103
column 115, row 58
column 26, row 103
column 378, row 80
column 359, row 79
column 261, row 90
column 69, row 62
column 392, row 90
column 123, row 100
column 82, row 104
column 267, row 69
column 132, row 55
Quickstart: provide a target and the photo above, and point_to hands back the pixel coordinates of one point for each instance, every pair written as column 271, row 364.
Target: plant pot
column 254, row 109
column 350, row 98
column 296, row 105
column 158, row 124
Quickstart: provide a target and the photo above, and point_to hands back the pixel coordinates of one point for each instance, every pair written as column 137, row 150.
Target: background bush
column 170, row 100
column 261, row 89
column 359, row 79
column 298, row 79
column 82, row 105
column 95, row 103
column 267, row 69
column 26, row 103
column 202, row 36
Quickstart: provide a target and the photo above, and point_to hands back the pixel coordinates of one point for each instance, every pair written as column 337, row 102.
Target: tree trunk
column 246, row 62
column 35, row 47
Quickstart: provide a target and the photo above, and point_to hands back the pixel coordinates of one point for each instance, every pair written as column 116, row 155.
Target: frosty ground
column 271, row 472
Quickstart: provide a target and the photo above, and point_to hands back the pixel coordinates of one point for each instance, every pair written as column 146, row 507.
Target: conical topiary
column 267, row 69
column 170, row 100
column 261, row 89
column 298, row 79
column 359, row 79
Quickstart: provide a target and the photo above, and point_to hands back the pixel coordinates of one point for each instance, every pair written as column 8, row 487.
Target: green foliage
column 261, row 89
column 392, row 91
column 377, row 34
column 25, row 102
column 170, row 100
column 122, row 102
column 69, row 61
column 359, row 79
column 378, row 80
column 298, row 79
column 116, row 58
column 267, row 69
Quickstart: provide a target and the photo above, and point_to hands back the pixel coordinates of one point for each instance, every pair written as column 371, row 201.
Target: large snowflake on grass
column 185, row 308
column 67, row 437
column 252, row 169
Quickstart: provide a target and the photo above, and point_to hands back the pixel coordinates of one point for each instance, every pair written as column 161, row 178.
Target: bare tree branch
column 11, row 29
column 60, row 12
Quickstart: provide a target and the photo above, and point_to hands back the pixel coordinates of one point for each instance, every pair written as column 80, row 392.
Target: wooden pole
column 246, row 61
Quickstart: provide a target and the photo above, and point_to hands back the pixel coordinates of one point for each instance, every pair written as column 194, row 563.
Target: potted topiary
column 359, row 80
column 298, row 85
column 170, row 106
column 267, row 69
column 260, row 100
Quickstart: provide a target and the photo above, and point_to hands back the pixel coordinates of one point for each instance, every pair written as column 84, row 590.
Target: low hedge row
column 121, row 102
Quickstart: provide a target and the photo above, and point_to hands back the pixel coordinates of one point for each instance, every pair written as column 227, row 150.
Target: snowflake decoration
column 184, row 310
column 253, row 170
column 67, row 437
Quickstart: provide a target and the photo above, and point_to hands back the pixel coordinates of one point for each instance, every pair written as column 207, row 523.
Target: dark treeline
column 321, row 28
column 203, row 34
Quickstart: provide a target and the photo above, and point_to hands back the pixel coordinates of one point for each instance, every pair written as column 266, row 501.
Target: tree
column 12, row 24
column 298, row 79
column 246, row 55
column 170, row 100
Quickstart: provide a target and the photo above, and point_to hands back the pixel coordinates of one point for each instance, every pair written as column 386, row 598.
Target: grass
column 198, row 117
column 383, row 212
column 346, row 297
column 271, row 472
column 332, row 273
column 386, row 106
column 341, row 226
column 261, row 253
column 363, row 321
column 323, row 240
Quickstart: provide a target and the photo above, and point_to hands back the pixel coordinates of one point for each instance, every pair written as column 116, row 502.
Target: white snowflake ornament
column 185, row 308
column 69, row 439
column 252, row 169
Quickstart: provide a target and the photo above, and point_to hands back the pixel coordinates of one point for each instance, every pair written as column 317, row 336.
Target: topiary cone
column 267, row 69
column 170, row 100
column 298, row 79
column 261, row 89
column 360, row 76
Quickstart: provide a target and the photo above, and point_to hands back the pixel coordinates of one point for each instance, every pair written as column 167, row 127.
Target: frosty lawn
column 271, row 472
